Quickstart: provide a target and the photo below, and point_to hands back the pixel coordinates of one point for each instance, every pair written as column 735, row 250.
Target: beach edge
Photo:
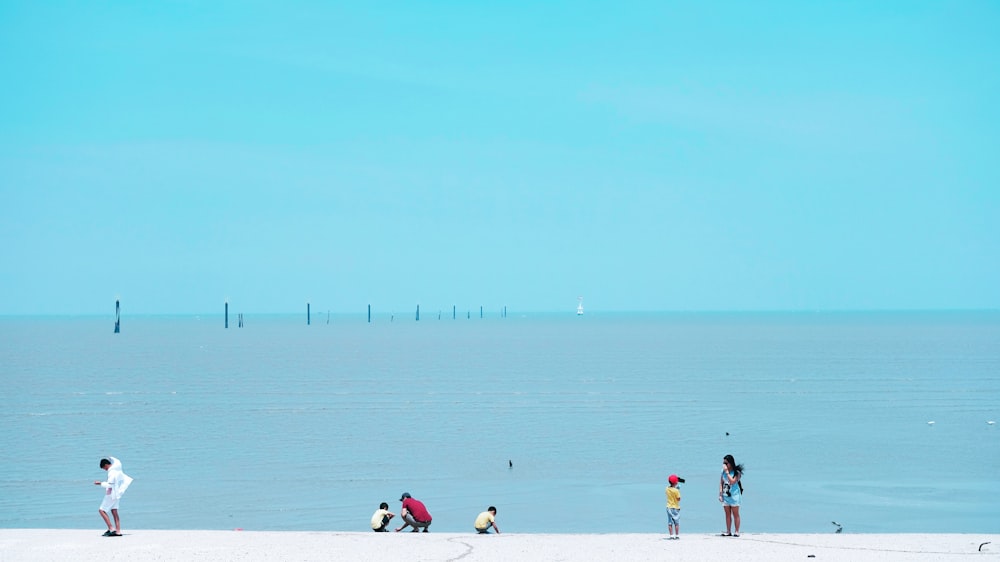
column 90, row 546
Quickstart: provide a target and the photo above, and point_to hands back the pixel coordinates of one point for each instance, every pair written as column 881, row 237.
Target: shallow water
column 279, row 425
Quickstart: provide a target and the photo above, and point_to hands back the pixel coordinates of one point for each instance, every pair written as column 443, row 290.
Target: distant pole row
column 454, row 315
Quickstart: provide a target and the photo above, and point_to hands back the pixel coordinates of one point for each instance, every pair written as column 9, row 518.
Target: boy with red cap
column 674, row 507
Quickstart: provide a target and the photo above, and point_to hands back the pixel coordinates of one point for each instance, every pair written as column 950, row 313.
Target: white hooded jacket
column 118, row 481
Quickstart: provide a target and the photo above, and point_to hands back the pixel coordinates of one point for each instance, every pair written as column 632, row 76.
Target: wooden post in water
column 452, row 312
column 227, row 315
column 308, row 315
column 418, row 313
column 480, row 311
column 118, row 318
column 369, row 314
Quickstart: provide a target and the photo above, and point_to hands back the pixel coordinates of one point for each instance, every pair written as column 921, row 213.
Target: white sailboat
column 579, row 307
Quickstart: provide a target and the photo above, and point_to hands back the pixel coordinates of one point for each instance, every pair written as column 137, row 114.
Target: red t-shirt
column 417, row 510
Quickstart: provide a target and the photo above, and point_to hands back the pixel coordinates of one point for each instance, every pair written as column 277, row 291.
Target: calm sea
column 283, row 426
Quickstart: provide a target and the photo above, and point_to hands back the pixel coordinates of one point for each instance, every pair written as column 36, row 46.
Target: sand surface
column 89, row 546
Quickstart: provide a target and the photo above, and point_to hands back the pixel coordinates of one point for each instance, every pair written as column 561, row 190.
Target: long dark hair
column 731, row 462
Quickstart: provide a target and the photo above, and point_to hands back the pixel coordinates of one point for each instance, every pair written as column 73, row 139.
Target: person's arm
column 402, row 515
column 495, row 528
column 720, row 481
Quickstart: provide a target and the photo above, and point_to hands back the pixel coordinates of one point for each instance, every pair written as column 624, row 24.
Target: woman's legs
column 729, row 518
column 736, row 519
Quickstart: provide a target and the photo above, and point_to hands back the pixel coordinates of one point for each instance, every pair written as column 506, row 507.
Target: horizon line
column 494, row 313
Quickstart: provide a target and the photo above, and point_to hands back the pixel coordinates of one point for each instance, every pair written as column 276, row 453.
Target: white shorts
column 109, row 503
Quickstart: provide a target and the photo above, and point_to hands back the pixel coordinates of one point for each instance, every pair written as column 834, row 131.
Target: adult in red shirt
column 414, row 514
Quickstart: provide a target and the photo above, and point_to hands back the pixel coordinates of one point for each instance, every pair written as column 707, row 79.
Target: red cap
column 673, row 479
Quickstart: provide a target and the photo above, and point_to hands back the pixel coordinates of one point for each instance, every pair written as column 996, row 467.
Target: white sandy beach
column 89, row 546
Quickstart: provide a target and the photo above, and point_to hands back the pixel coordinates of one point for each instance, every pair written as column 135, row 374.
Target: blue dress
column 731, row 495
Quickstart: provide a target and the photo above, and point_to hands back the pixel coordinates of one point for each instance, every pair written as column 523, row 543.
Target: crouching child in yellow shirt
column 486, row 520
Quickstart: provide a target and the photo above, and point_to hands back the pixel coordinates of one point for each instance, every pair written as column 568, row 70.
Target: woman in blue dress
column 730, row 493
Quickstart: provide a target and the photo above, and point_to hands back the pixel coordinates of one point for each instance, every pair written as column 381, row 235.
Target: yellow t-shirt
column 673, row 497
column 377, row 518
column 484, row 520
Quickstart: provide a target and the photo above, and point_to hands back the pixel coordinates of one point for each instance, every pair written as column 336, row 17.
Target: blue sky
column 645, row 155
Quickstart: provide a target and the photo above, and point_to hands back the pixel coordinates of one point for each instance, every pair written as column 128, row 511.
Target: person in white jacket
column 115, row 487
